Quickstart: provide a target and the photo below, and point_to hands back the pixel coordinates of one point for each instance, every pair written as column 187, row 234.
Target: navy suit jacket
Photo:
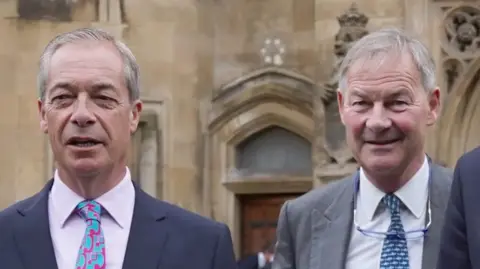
column 460, row 243
column 248, row 262
column 162, row 236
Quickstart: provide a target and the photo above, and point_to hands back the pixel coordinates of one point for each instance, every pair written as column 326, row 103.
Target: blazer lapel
column 32, row 232
column 148, row 233
column 331, row 231
column 439, row 196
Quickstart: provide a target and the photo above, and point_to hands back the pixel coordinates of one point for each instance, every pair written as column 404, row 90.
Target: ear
column 433, row 100
column 341, row 102
column 135, row 115
column 43, row 118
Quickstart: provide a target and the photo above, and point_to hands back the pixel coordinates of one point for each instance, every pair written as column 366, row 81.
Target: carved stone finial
column 352, row 27
column 352, row 17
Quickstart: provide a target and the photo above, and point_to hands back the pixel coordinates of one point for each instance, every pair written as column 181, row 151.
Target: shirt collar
column 414, row 194
column 118, row 202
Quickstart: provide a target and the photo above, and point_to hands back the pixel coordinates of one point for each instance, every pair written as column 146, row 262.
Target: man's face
column 86, row 111
column 386, row 112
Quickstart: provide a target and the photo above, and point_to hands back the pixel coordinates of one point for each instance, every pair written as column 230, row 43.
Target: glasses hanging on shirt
column 412, row 234
column 409, row 235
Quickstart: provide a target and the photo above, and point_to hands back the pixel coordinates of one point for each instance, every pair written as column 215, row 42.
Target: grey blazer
column 313, row 230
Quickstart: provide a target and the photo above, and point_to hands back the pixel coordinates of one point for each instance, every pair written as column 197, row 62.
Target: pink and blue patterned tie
column 92, row 251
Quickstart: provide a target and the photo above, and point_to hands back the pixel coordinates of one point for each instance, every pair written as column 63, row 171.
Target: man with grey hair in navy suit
column 91, row 215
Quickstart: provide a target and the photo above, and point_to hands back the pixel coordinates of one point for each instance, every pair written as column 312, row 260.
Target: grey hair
column 386, row 41
column 131, row 68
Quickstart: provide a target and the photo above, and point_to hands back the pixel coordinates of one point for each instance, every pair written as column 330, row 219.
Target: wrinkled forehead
column 85, row 53
column 384, row 62
column 83, row 64
column 383, row 71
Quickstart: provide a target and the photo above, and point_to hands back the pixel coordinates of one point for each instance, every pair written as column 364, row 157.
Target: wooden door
column 259, row 215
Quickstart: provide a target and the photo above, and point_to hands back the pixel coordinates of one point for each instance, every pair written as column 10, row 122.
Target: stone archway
column 263, row 99
column 459, row 123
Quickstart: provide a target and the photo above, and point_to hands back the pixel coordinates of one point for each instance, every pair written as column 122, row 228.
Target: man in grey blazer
column 389, row 213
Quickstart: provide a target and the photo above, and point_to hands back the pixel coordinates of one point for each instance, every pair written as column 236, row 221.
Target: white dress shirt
column 67, row 229
column 364, row 251
column 262, row 260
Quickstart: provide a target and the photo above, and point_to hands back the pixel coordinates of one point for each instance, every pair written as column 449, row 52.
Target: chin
column 86, row 167
column 381, row 163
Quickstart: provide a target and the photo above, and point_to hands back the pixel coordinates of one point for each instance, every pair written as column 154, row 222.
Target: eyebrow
column 357, row 92
column 97, row 87
column 399, row 92
column 100, row 86
column 391, row 93
column 63, row 85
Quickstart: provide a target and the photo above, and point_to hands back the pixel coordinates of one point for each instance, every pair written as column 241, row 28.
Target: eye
column 105, row 101
column 399, row 103
column 359, row 103
column 105, row 98
column 61, row 97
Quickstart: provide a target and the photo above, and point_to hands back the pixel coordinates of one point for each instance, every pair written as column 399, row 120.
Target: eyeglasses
column 411, row 235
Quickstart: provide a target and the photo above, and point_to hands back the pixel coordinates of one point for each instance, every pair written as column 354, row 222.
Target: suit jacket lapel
column 438, row 197
column 32, row 232
column 148, row 233
column 331, row 231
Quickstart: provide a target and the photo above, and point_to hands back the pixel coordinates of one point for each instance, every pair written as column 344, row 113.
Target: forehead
column 85, row 57
column 384, row 71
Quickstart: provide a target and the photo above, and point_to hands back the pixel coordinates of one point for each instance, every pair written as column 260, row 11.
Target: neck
column 92, row 185
column 392, row 180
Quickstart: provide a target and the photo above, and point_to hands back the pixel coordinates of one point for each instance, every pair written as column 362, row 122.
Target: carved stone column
column 110, row 17
column 419, row 19
column 149, row 161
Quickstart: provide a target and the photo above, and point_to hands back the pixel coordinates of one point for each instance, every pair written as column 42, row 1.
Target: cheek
column 119, row 126
column 56, row 123
column 354, row 124
column 407, row 122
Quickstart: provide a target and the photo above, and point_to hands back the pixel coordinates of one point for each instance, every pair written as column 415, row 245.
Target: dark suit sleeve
column 284, row 257
column 454, row 244
column 224, row 256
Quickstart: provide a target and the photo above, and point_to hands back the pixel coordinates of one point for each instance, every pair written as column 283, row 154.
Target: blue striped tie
column 395, row 251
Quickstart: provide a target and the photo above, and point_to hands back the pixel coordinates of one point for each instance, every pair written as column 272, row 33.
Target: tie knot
column 89, row 210
column 392, row 202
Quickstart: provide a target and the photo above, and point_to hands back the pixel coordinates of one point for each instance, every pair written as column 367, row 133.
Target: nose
column 378, row 119
column 81, row 115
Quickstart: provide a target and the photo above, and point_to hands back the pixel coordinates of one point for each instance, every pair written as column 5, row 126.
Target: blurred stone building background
column 239, row 96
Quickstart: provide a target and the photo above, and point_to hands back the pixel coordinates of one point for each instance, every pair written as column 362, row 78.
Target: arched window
column 274, row 151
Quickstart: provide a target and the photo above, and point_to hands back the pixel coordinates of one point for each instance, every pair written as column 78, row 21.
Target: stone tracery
column 460, row 54
column 460, row 41
column 462, row 29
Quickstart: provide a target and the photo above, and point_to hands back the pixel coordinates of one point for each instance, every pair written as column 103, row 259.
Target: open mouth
column 83, row 142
